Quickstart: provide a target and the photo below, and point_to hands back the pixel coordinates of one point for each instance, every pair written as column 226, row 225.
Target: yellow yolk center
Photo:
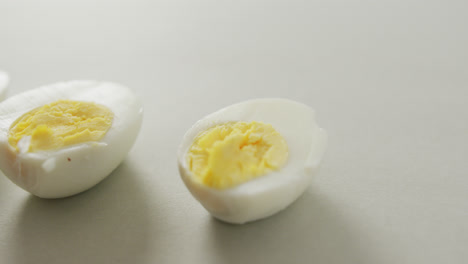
column 233, row 153
column 60, row 124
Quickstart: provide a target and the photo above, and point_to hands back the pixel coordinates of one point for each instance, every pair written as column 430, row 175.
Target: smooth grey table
column 389, row 82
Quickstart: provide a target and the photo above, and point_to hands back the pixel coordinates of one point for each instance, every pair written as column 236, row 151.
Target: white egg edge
column 275, row 195
column 4, row 82
column 41, row 173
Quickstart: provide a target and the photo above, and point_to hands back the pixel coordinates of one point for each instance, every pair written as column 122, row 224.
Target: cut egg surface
column 62, row 139
column 251, row 160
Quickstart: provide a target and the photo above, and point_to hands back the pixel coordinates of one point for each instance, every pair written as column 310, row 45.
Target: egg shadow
column 106, row 224
column 310, row 231
column 4, row 184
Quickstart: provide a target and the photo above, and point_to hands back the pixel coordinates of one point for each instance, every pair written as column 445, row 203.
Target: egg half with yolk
column 62, row 139
column 252, row 159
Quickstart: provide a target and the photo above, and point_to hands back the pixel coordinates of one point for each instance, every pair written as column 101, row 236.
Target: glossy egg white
column 73, row 169
column 4, row 81
column 271, row 193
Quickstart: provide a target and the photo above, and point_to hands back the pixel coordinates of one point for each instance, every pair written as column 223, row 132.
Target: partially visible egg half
column 251, row 160
column 4, row 80
column 62, row 139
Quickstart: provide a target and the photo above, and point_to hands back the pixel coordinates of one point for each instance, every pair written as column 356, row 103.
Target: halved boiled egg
column 62, row 139
column 4, row 80
column 252, row 159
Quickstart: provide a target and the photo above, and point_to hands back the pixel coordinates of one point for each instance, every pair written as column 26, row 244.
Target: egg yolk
column 60, row 124
column 233, row 153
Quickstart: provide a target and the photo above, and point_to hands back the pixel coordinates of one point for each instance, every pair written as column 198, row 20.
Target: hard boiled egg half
column 252, row 159
column 4, row 80
column 62, row 139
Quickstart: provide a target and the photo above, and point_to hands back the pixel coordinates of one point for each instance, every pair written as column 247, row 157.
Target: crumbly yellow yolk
column 233, row 153
column 60, row 124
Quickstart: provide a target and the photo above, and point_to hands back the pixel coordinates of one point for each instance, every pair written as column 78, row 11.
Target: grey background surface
column 389, row 82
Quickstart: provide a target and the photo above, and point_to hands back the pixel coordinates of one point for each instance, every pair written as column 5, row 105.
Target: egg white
column 4, row 81
column 271, row 193
column 73, row 169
